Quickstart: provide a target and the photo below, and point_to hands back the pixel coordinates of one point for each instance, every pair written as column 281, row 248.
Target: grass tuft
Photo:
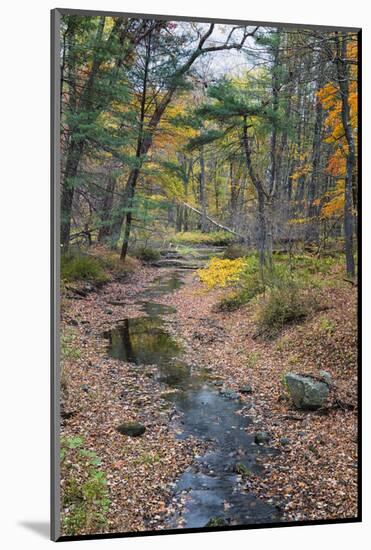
column 82, row 268
column 85, row 501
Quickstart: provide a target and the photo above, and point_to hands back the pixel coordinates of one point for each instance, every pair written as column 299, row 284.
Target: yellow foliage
column 169, row 137
column 335, row 201
column 221, row 273
column 298, row 221
column 300, row 172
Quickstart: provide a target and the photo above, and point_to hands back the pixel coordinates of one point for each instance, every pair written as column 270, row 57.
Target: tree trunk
column 261, row 233
column 104, row 230
column 233, row 195
column 133, row 178
column 261, row 230
column 179, row 218
column 343, row 79
column 204, row 224
column 312, row 209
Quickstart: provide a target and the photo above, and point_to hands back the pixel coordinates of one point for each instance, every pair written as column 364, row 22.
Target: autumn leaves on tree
column 154, row 129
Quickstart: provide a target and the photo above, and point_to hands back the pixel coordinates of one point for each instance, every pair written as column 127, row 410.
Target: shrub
column 283, row 304
column 111, row 262
column 327, row 325
column 234, row 251
column 240, row 273
column 220, row 273
column 231, row 302
column 241, row 297
column 307, row 268
column 146, row 254
column 85, row 499
column 82, row 267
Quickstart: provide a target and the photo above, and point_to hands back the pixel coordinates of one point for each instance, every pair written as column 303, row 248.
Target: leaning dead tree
column 214, row 222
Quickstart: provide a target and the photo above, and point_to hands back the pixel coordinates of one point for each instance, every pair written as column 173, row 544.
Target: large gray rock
column 326, row 376
column 306, row 392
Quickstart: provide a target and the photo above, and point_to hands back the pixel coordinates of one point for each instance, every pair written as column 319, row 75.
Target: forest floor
column 313, row 475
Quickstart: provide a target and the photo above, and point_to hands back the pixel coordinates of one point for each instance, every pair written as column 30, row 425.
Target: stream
column 212, row 490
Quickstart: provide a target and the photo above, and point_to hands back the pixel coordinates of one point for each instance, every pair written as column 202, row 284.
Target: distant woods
column 173, row 126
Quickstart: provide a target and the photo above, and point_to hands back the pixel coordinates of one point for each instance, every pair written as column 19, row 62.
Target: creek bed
column 212, row 490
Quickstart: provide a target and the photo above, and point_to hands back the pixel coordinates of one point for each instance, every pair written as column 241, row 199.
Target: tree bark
column 312, row 209
column 343, row 80
column 261, row 234
column 203, row 202
column 133, row 178
column 104, row 229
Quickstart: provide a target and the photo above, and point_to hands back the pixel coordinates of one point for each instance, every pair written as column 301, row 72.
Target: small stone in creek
column 261, row 438
column 246, row 389
column 132, row 429
column 229, row 393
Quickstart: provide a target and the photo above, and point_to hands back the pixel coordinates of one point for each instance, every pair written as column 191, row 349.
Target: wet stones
column 229, row 393
column 306, row 392
column 246, row 389
column 262, row 438
column 216, row 522
column 131, row 429
column 243, row 470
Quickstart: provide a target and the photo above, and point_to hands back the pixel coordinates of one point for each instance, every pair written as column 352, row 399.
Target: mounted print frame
column 206, row 230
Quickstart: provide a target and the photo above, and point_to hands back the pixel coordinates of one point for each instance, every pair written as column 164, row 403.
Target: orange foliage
column 330, row 98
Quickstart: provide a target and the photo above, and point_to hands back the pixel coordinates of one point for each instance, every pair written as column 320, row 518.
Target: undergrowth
column 217, row 238
column 288, row 293
column 146, row 253
column 85, row 501
column 82, row 267
column 282, row 305
column 97, row 266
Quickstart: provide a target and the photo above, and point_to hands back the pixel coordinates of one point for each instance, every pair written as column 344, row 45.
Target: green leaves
column 205, row 138
column 85, row 497
column 74, row 442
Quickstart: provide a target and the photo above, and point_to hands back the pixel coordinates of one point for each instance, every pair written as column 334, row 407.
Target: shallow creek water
column 211, row 489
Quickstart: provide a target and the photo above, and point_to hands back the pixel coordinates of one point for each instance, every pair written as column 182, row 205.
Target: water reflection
column 164, row 284
column 142, row 341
